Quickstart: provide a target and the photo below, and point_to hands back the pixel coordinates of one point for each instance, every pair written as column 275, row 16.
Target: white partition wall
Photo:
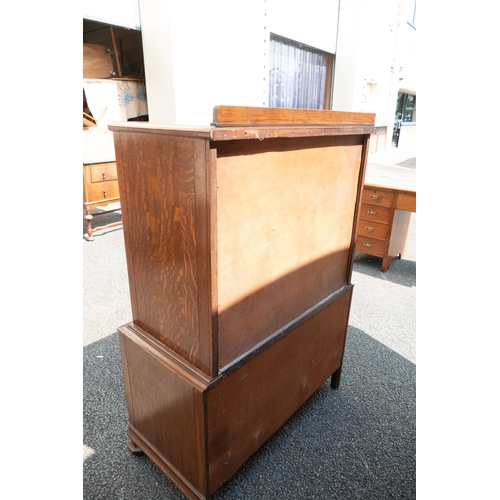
column 199, row 54
column 118, row 12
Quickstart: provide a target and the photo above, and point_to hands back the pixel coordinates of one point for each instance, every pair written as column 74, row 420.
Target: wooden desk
column 240, row 243
column 387, row 204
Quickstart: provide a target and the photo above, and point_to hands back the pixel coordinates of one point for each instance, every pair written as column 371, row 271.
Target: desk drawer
column 372, row 229
column 407, row 202
column 102, row 191
column 377, row 197
column 370, row 246
column 103, row 172
column 374, row 213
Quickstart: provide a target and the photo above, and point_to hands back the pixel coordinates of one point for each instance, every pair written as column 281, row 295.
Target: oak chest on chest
column 239, row 239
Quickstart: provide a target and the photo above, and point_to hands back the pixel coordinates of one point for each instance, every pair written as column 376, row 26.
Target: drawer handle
column 373, row 212
column 103, row 175
column 367, row 244
column 104, row 193
column 370, row 229
column 372, row 196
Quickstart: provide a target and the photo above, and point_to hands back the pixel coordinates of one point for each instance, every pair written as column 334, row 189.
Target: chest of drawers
column 240, row 244
column 100, row 188
column 384, row 221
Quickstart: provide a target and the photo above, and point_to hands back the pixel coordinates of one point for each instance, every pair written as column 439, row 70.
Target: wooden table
column 387, row 205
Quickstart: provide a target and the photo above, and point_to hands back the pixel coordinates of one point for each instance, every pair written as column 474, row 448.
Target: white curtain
column 297, row 75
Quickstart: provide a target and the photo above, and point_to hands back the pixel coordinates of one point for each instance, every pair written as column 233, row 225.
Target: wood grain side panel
column 167, row 413
column 157, row 181
column 124, row 355
column 205, row 233
column 189, row 490
column 250, row 404
column 285, row 216
column 122, row 166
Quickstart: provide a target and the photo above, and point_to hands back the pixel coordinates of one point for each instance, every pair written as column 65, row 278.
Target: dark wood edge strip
column 213, row 249
column 168, row 469
column 126, row 378
column 359, row 201
column 261, row 133
column 265, row 344
column 168, row 358
column 335, row 381
column 207, row 354
column 161, row 129
column 245, row 131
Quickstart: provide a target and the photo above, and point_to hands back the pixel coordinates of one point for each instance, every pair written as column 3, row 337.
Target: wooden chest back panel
column 164, row 250
column 229, row 241
column 249, row 405
column 285, row 212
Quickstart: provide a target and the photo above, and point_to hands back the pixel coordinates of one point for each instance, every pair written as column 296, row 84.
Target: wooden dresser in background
column 240, row 240
column 100, row 188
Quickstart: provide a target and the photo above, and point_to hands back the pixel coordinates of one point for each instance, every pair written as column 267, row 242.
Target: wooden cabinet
column 105, row 101
column 240, row 241
column 101, row 182
column 384, row 221
column 100, row 188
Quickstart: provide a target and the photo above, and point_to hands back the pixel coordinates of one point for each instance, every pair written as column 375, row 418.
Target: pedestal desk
column 240, row 239
column 386, row 209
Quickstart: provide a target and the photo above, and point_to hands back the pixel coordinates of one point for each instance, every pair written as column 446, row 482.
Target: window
column 406, row 112
column 406, row 108
column 299, row 76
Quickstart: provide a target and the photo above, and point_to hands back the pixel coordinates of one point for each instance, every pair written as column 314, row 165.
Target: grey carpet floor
column 358, row 442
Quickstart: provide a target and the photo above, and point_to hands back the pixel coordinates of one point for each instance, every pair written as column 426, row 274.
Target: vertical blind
column 297, row 75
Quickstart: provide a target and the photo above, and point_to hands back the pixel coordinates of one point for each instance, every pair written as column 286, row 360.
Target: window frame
column 328, row 83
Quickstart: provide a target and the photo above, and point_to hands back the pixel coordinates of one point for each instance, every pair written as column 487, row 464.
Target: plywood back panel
column 285, row 211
